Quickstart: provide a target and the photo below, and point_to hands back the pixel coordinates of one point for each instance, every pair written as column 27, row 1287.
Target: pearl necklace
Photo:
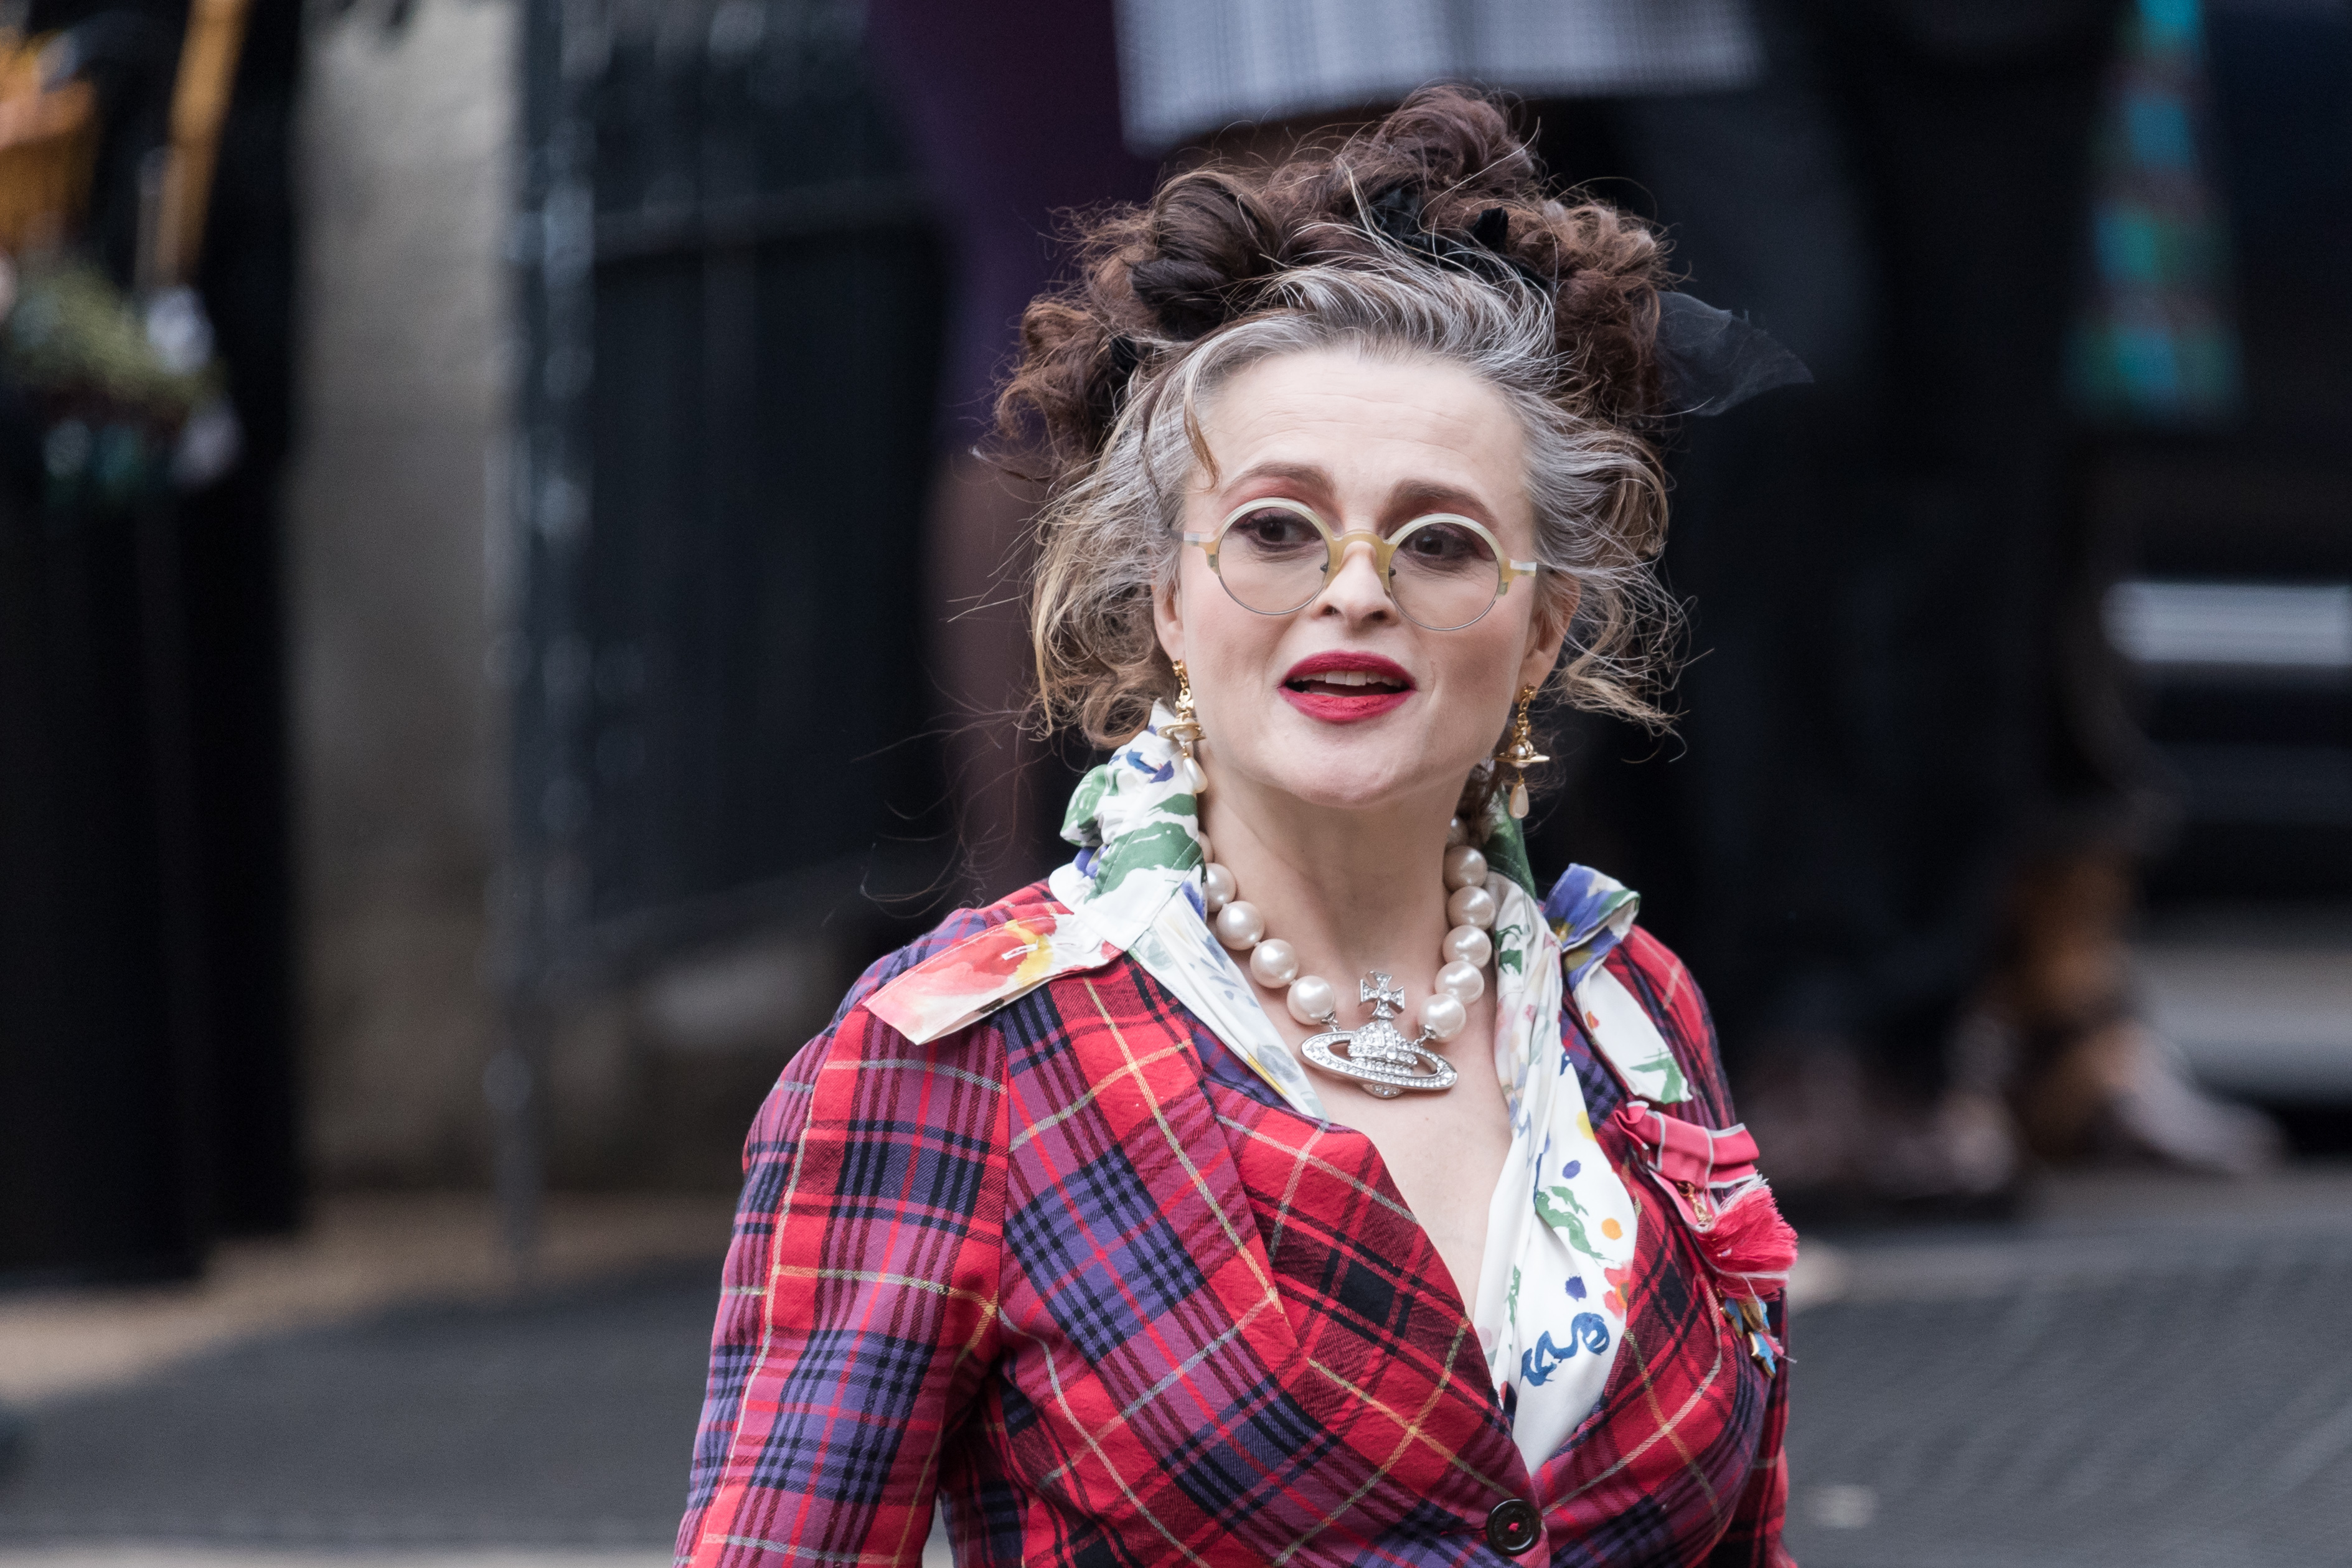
column 1378, row 1057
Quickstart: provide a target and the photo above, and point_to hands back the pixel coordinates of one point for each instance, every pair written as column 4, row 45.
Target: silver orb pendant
column 1378, row 1057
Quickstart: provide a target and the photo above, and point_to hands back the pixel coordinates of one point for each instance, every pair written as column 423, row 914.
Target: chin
column 1329, row 792
column 1358, row 766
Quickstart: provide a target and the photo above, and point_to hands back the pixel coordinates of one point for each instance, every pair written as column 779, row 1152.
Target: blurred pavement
column 2145, row 1370
column 379, row 1393
column 360, row 1254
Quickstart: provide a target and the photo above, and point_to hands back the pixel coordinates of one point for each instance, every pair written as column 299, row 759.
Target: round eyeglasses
column 1443, row 573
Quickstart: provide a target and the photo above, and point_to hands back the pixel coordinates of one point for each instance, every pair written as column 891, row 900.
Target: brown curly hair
column 1434, row 232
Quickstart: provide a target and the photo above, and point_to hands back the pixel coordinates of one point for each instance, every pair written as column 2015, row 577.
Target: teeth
column 1353, row 678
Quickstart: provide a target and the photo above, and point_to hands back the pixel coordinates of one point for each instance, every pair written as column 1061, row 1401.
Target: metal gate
column 729, row 294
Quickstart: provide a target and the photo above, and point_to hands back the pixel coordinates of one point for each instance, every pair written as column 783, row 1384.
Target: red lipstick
column 1342, row 688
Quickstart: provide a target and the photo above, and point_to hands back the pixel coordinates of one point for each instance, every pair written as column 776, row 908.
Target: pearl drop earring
column 1521, row 754
column 1186, row 735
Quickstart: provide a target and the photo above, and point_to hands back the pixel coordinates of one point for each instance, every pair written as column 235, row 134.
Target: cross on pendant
column 1381, row 991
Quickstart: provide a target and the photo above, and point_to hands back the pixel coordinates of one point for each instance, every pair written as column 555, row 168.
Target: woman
column 1282, row 1180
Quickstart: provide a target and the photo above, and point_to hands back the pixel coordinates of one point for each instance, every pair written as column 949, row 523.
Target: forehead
column 1373, row 423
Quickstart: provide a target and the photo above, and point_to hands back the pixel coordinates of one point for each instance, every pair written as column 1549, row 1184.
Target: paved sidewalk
column 560, row 1419
column 360, row 1254
column 2146, row 1372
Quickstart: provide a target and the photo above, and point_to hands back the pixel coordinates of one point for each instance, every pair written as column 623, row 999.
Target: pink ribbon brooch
column 1710, row 1177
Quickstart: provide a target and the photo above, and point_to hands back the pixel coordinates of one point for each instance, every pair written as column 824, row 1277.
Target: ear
column 1548, row 634
column 1168, row 616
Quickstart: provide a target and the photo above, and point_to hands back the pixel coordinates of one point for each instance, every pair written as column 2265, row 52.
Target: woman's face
column 1345, row 703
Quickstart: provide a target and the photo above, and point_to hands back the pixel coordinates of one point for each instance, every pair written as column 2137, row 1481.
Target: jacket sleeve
column 1753, row 1541
column 858, row 1312
column 1674, row 1003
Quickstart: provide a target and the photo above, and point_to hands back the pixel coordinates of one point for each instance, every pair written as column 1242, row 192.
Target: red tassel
column 1749, row 1240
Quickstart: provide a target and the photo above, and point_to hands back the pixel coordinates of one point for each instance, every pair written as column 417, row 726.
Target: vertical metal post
column 511, row 1085
column 543, row 890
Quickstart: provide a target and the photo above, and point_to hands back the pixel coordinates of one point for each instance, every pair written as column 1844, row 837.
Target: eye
column 1445, row 546
column 1273, row 530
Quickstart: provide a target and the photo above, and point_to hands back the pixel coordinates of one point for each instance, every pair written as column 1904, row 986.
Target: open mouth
column 1340, row 687
column 1349, row 683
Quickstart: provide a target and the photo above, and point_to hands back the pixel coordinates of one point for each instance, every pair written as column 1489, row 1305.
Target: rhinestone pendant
column 1378, row 1057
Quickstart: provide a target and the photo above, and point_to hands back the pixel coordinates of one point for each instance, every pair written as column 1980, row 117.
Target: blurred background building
column 482, row 759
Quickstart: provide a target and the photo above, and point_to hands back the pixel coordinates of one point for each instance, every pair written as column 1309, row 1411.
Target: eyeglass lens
column 1443, row 575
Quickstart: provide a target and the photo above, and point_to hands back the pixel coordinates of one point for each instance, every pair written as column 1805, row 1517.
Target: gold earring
column 1521, row 754
column 1186, row 732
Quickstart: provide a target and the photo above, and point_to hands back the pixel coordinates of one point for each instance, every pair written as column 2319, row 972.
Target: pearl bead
column 1442, row 1015
column 1275, row 962
column 1519, row 799
column 1312, row 999
column 1464, row 867
column 1468, row 944
column 1470, row 907
column 1202, row 839
column 1460, row 981
column 1239, row 925
column 1195, row 781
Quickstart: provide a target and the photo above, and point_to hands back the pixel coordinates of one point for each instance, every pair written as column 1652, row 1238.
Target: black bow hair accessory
column 1398, row 216
column 1709, row 361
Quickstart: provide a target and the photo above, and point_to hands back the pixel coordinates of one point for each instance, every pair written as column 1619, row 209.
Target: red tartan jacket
column 1077, row 1272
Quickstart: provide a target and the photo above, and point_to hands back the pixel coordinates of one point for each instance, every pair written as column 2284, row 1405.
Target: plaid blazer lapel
column 1331, row 1282
column 1327, row 1389
column 1145, row 1081
column 1388, row 1360
column 1136, row 1275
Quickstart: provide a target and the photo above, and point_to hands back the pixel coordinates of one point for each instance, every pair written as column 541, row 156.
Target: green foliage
column 75, row 337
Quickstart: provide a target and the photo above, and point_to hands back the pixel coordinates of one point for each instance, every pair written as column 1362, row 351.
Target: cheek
column 1208, row 605
column 1225, row 643
column 1482, row 668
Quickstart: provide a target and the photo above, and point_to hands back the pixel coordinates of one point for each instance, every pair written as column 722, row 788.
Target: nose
column 1356, row 593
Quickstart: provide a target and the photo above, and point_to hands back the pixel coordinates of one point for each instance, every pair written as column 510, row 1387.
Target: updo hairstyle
column 1388, row 243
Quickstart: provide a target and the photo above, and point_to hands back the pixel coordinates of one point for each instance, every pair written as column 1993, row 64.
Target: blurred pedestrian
column 1866, row 841
column 1013, row 116
column 148, row 1095
column 1090, row 1217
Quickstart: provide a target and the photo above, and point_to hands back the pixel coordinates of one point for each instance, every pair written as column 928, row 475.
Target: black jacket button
column 1512, row 1528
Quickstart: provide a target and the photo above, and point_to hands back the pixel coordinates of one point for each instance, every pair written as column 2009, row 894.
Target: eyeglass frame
column 1507, row 571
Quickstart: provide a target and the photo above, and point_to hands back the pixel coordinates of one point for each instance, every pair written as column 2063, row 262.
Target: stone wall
column 404, row 136
column 400, row 588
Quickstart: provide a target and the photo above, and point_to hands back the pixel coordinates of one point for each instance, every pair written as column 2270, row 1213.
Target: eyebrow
column 1423, row 496
column 1306, row 474
column 1416, row 497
